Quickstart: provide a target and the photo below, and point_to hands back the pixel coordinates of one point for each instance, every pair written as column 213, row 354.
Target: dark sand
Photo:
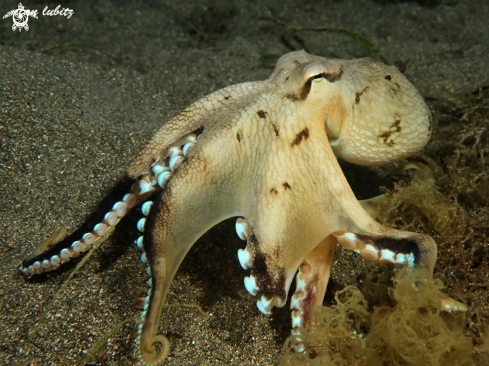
column 79, row 97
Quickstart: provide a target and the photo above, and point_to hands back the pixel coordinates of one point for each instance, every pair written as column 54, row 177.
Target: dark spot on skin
column 286, row 185
column 397, row 84
column 262, row 114
column 227, row 97
column 388, row 77
column 333, row 77
column 273, row 191
column 395, row 127
column 401, row 66
column 292, row 97
column 287, row 78
column 259, row 260
column 297, row 63
column 268, row 284
column 306, row 88
column 358, row 95
column 386, row 136
column 405, row 246
column 304, row 134
column 239, row 136
column 275, row 129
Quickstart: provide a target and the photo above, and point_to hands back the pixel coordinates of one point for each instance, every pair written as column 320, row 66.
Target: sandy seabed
column 79, row 97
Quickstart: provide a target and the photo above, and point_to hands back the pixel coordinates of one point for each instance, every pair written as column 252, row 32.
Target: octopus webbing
column 266, row 153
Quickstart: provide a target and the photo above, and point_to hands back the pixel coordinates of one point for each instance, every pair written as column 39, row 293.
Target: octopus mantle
column 265, row 152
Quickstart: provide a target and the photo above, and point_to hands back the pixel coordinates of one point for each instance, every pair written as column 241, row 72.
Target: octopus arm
column 191, row 204
column 56, row 251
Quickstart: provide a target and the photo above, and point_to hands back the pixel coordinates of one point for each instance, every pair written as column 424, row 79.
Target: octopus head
column 372, row 114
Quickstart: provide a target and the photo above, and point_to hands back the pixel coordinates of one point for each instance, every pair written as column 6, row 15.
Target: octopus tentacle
column 391, row 246
column 356, row 230
column 311, row 282
column 164, row 249
column 272, row 267
column 149, row 354
column 375, row 242
column 121, row 198
column 125, row 194
column 173, row 224
column 381, row 249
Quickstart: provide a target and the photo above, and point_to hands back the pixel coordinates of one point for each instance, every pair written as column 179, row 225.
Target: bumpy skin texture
column 266, row 152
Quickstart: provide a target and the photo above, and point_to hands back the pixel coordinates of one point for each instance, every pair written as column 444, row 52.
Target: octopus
column 265, row 152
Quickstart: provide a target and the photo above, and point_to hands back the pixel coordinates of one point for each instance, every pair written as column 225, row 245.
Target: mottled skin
column 266, row 152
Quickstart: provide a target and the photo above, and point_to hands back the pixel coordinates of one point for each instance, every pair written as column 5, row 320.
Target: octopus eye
column 317, row 78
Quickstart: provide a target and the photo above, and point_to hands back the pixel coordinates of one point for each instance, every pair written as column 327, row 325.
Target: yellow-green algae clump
column 414, row 332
